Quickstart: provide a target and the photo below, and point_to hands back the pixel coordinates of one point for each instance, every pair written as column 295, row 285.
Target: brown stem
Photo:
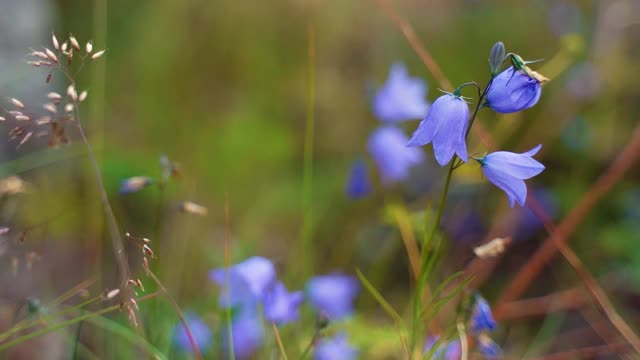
column 194, row 344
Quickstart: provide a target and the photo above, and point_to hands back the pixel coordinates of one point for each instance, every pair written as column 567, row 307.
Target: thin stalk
column 307, row 180
column 194, row 344
column 426, row 262
column 227, row 264
column 64, row 324
column 283, row 353
column 114, row 231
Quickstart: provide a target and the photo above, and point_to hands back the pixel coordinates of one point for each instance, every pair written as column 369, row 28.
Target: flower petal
column 515, row 189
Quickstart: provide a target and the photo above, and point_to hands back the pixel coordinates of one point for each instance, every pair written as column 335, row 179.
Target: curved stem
column 428, row 262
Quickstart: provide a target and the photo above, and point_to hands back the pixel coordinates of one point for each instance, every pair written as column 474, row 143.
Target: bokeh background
column 222, row 88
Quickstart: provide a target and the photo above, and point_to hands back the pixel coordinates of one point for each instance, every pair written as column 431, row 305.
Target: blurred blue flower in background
column 335, row 348
column 564, row 17
column 450, row 351
column 482, row 318
column 247, row 333
column 527, row 221
column 281, row 306
column 401, row 97
column 246, row 282
column 584, row 81
column 488, row 347
column 200, row 331
column 513, row 91
column 445, row 126
column 387, row 146
column 507, row 171
column 333, row 295
column 358, row 185
column 135, row 184
column 577, row 135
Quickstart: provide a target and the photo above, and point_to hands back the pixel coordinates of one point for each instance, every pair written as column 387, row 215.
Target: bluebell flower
column 281, row 306
column 488, row 347
column 507, row 171
column 200, row 331
column 512, row 91
column 450, row 351
column 135, row 184
column 247, row 333
column 445, row 126
column 387, row 146
column 401, row 97
column 333, row 295
column 358, row 185
column 245, row 282
column 482, row 318
column 335, row 348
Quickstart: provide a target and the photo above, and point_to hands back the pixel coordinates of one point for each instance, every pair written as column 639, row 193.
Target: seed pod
column 17, row 103
column 74, row 42
column 51, row 55
column 97, row 54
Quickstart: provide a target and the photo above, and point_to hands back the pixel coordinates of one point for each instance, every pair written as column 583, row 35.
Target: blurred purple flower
column 452, row 350
column 333, row 295
column 336, row 348
column 248, row 281
column 200, row 331
column 482, row 318
column 564, row 17
column 401, row 97
column 387, row 146
column 488, row 347
column 511, row 92
column 135, row 184
column 584, row 81
column 281, row 306
column 507, row 171
column 445, row 126
column 247, row 333
column 358, row 185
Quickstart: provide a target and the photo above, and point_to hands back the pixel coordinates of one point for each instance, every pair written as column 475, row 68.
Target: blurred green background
column 221, row 87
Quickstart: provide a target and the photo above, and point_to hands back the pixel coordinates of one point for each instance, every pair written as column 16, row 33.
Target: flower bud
column 496, row 57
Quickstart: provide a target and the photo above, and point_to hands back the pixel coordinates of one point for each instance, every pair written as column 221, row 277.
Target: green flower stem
column 428, row 262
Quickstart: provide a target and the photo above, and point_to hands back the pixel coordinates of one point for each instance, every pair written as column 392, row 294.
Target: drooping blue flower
column 401, row 97
column 135, row 184
column 335, row 348
column 200, row 331
column 245, row 282
column 512, row 91
column 488, row 347
column 482, row 317
column 387, row 146
column 358, row 185
column 445, row 126
column 450, row 351
column 247, row 333
column 507, row 171
column 281, row 306
column 333, row 295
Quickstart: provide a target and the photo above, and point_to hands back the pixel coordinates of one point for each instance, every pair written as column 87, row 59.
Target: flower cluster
column 252, row 290
column 447, row 124
column 400, row 99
